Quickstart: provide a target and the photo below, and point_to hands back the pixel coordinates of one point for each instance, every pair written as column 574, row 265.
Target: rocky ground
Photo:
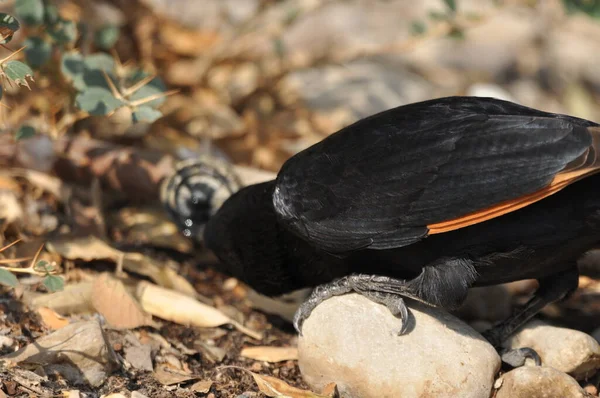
column 139, row 311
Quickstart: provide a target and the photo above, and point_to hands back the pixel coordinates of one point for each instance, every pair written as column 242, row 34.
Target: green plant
column 42, row 268
column 93, row 83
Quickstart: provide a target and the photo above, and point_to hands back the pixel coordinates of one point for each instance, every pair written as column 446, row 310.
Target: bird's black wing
column 393, row 178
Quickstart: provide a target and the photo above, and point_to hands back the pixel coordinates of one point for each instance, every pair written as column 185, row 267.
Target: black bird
column 423, row 201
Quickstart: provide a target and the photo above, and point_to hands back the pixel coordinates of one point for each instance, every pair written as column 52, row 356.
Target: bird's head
column 246, row 237
column 194, row 193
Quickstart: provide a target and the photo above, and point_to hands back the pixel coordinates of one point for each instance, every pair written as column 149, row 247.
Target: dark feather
column 380, row 182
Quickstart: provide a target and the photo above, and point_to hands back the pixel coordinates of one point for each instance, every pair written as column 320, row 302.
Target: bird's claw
column 517, row 356
column 394, row 303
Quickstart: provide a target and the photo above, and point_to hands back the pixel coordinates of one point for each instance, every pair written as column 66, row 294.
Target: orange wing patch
column 585, row 165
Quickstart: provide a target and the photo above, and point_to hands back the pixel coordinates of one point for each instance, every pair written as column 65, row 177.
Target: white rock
column 353, row 342
column 538, row 382
column 567, row 350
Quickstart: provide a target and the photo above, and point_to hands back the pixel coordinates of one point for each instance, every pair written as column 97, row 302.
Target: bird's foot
column 371, row 286
column 516, row 357
column 552, row 288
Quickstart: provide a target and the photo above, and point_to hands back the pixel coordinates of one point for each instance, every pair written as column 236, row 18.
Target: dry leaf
column 44, row 181
column 52, row 319
column 9, row 184
column 76, row 298
column 90, row 247
column 273, row 387
column 86, row 248
column 185, row 310
column 270, row 354
column 202, row 387
column 167, row 376
column 113, row 301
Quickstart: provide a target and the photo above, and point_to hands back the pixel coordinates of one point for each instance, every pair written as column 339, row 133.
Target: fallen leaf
column 9, row 184
column 274, row 387
column 202, row 386
column 86, row 248
column 270, row 354
column 51, row 318
column 167, row 376
column 185, row 310
column 76, row 298
column 90, row 247
column 80, row 352
column 121, row 310
column 44, row 181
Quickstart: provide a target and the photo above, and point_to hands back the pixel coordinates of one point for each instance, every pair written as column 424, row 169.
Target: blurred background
column 263, row 79
column 101, row 98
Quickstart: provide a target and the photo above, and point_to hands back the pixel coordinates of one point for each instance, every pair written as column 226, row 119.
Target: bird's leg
column 551, row 289
column 444, row 283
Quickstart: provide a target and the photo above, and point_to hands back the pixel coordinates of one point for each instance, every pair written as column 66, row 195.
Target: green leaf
column 41, row 266
column 72, row 68
column 51, row 14
column 418, row 28
column 101, row 61
column 18, row 72
column 86, row 72
column 107, row 36
column 94, row 65
column 146, row 114
column 97, row 101
column 8, row 26
column 54, row 283
column 24, row 132
column 7, row 278
column 63, row 32
column 30, row 11
column 451, row 4
column 37, row 51
column 155, row 86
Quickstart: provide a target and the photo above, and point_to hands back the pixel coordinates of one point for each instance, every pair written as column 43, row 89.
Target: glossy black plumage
column 365, row 200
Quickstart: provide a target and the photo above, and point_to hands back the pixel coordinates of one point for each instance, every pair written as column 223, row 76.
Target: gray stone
column 353, row 342
column 537, row 382
column 567, row 350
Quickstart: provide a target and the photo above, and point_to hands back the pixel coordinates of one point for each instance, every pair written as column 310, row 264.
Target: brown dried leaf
column 51, row 318
column 43, row 181
column 273, row 387
column 202, row 386
column 183, row 309
column 270, row 354
column 113, row 301
column 86, row 248
column 168, row 376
